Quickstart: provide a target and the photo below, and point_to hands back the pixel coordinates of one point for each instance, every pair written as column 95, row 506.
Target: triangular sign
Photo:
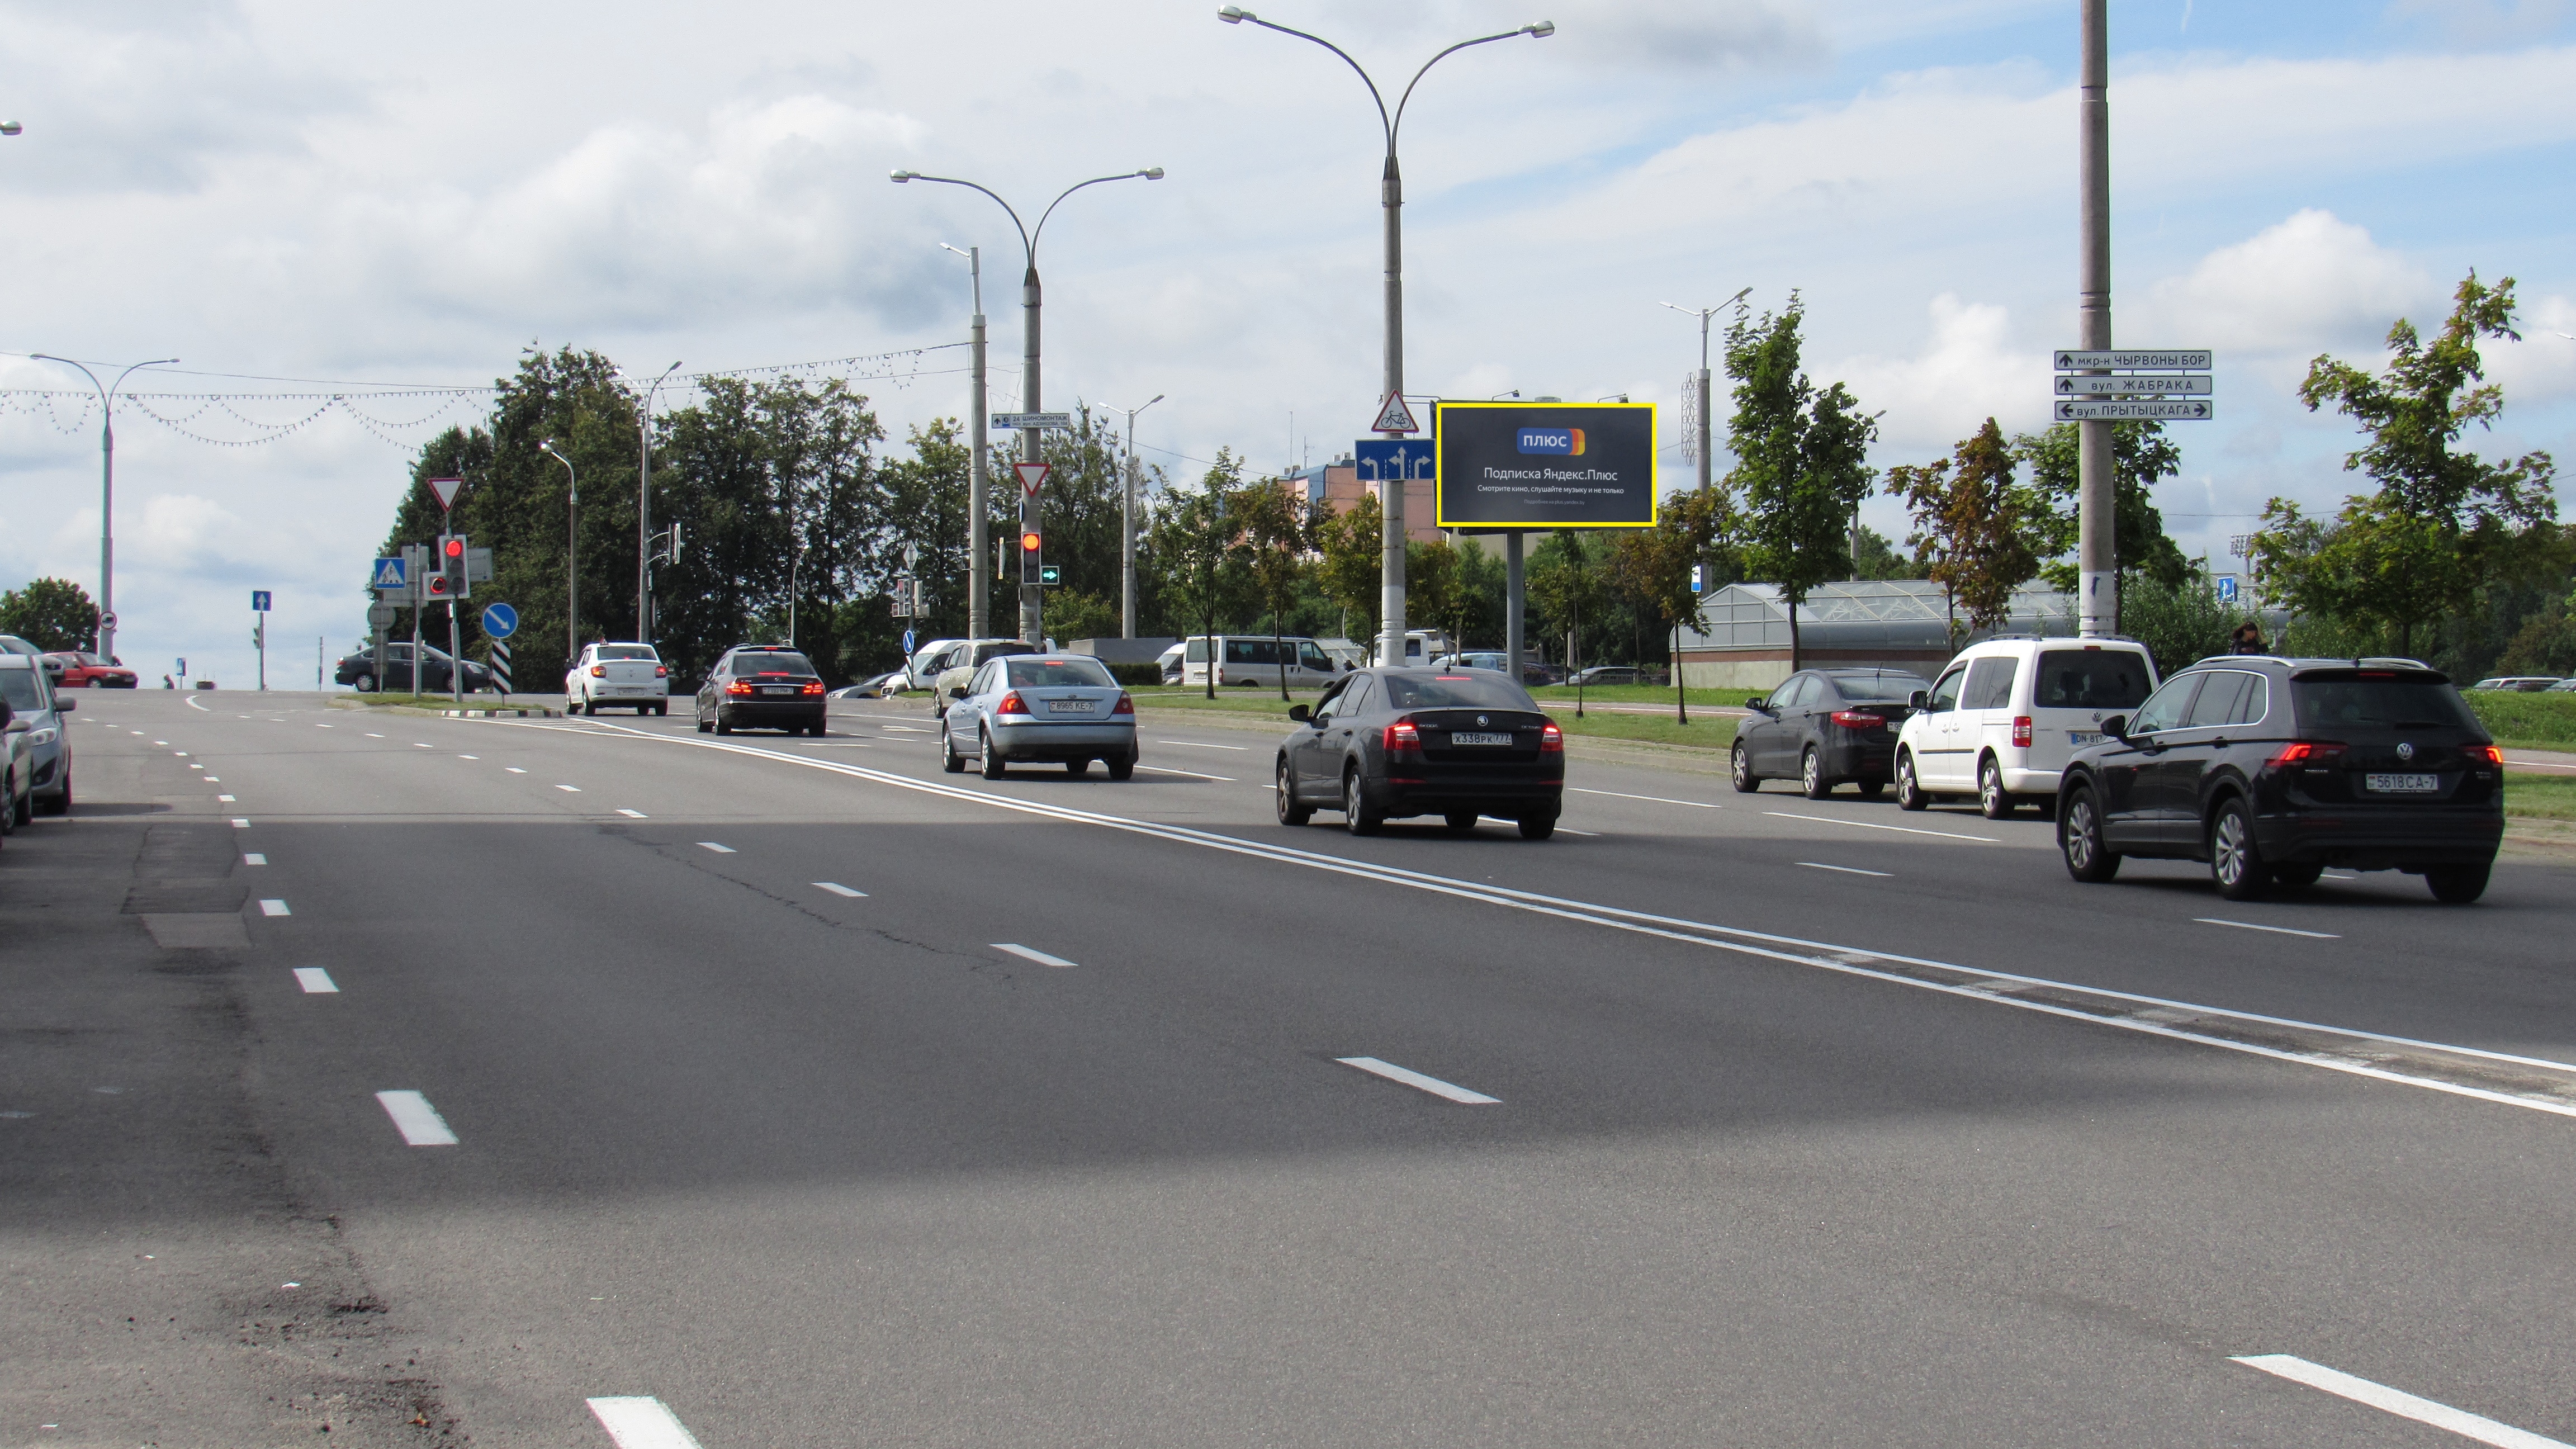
column 1395, row 417
column 446, row 489
column 1031, row 476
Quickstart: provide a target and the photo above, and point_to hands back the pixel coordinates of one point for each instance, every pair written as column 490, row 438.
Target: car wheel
column 1459, row 819
column 819, row 729
column 1292, row 811
column 2079, row 839
column 2235, row 861
column 366, row 684
column 2457, row 885
column 703, row 723
column 995, row 767
column 1811, row 775
column 1357, row 816
column 26, row 810
column 1992, row 801
column 1537, row 827
column 1739, row 768
column 1077, row 767
column 949, row 760
column 723, row 726
column 2297, row 877
column 1909, row 790
column 1123, row 767
column 62, row 803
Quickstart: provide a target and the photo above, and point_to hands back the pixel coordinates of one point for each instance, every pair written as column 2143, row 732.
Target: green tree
column 2141, row 457
column 1801, row 461
column 1970, row 528
column 1350, row 563
column 52, row 614
column 1654, row 565
column 1272, row 518
column 1877, row 558
column 1198, row 541
column 2179, row 623
column 1566, row 586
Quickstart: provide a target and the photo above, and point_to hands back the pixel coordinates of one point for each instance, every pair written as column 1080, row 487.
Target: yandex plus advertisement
column 1545, row 465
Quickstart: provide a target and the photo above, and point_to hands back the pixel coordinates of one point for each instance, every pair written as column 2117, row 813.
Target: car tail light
column 2488, row 753
column 1125, row 704
column 739, row 686
column 1012, row 704
column 1551, row 740
column 599, row 671
column 2021, row 731
column 661, row 671
column 1402, row 737
column 1854, row 719
column 2308, row 754
column 814, row 687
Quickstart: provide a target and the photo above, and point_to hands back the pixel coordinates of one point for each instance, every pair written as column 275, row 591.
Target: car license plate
column 778, row 689
column 2403, row 784
column 1069, row 706
column 1470, row 737
column 2081, row 738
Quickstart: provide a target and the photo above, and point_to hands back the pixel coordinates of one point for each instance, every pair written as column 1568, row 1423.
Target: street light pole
column 979, row 589
column 644, row 510
column 2097, row 542
column 572, row 554
column 106, row 489
column 1127, row 528
column 1707, row 435
column 1032, row 301
column 1391, row 200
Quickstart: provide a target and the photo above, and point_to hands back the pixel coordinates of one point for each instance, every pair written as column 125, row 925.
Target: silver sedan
column 1062, row 708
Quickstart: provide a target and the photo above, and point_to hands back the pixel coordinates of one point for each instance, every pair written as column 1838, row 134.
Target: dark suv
column 2273, row 769
column 761, row 686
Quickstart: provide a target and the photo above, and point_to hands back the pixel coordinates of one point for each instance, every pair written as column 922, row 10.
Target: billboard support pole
column 1512, row 603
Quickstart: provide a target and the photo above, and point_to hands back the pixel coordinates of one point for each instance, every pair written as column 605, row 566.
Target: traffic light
column 1032, row 555
column 446, row 578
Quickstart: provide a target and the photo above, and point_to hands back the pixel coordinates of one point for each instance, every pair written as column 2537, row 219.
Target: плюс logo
column 1558, row 442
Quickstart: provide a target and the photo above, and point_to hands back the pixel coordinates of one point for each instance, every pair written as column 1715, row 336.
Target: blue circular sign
column 500, row 621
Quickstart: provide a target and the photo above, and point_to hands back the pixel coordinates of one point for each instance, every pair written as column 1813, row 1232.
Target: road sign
column 2177, row 410
column 1512, row 466
column 446, row 489
column 907, row 644
column 389, row 574
column 2181, row 359
column 1383, row 460
column 1010, row 421
column 1394, row 417
column 2227, row 588
column 1032, row 476
column 107, row 621
column 259, row 601
column 2138, row 384
column 501, row 662
column 478, row 566
column 500, row 621
column 381, row 616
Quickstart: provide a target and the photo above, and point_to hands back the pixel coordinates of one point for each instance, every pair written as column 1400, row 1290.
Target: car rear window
column 1058, row 674
column 1879, row 686
column 1455, row 691
column 987, row 652
column 626, row 651
column 2388, row 701
column 2090, row 679
column 772, row 661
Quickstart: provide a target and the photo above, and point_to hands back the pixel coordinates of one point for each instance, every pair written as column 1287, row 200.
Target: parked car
column 74, row 670
column 12, row 644
column 42, row 755
column 761, row 686
column 969, row 656
column 937, row 657
column 1060, row 708
column 1386, row 744
column 1822, row 727
column 2521, row 683
column 17, row 762
column 2564, row 686
column 359, row 671
column 1258, row 659
column 1170, row 662
column 873, row 687
column 1600, row 674
column 2273, row 769
column 618, row 675
column 2006, row 715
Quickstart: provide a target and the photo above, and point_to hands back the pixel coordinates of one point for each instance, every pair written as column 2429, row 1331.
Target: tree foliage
column 1350, row 563
column 1206, row 577
column 1801, row 460
column 1971, row 529
column 52, row 614
column 2051, row 505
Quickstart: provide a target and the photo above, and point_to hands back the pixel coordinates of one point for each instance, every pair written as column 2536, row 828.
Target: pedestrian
column 2248, row 639
column 166, row 684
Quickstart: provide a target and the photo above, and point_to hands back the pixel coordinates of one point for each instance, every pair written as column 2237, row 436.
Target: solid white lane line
column 2275, row 930
column 274, row 908
column 2537, row 764
column 1845, row 869
column 2397, row 1401
column 254, row 858
column 1899, row 829
column 575, row 789
column 1195, row 745
column 1193, row 774
column 838, row 889
column 1026, row 953
column 632, row 814
column 1433, row 1085
column 315, row 980
column 641, row 1423
column 718, row 849
column 1657, row 799
column 417, row 1121
column 241, row 825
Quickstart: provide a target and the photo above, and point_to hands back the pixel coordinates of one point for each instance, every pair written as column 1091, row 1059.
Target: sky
column 297, row 197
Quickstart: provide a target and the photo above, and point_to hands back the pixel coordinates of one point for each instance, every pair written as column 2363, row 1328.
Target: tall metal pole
column 1707, row 440
column 644, row 510
column 2097, row 557
column 1513, row 594
column 572, row 554
column 106, row 490
column 979, row 589
column 1127, row 528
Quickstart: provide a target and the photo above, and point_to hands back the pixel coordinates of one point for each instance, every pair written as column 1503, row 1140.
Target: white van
column 2006, row 714
column 1250, row 659
column 1421, row 646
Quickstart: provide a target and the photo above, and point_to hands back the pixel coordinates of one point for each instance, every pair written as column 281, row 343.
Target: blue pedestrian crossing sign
column 500, row 621
column 2227, row 588
column 259, row 601
column 389, row 574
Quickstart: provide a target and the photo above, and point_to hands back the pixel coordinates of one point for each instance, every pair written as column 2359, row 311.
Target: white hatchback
column 2007, row 714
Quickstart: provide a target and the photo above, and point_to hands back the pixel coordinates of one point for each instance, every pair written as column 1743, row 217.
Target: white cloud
column 2310, row 284
column 1972, row 367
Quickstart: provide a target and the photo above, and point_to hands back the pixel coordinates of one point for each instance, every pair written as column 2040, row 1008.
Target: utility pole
column 572, row 553
column 1127, row 528
column 644, row 510
column 979, row 589
column 2097, row 556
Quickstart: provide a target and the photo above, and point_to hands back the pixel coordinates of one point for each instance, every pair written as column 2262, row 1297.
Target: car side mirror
column 1758, row 705
column 1301, row 714
column 65, row 706
column 956, row 691
column 1918, row 699
column 2117, row 727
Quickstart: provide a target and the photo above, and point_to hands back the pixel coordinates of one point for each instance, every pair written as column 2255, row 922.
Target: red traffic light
column 1029, row 541
column 455, row 547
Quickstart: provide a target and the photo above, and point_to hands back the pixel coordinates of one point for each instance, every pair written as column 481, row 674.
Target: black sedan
column 361, row 672
column 1387, row 744
column 1822, row 727
column 761, row 686
column 2273, row 769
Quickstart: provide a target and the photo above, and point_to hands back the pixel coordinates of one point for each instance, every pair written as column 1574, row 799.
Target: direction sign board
column 1384, row 460
column 389, row 574
column 259, row 601
column 500, row 621
column 1032, row 476
column 2138, row 384
column 2178, row 359
column 1009, row 421
column 2140, row 410
column 1394, row 417
column 446, row 489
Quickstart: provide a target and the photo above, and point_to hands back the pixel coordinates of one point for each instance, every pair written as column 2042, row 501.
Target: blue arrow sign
column 907, row 643
column 389, row 574
column 500, row 621
column 259, row 601
column 1386, row 460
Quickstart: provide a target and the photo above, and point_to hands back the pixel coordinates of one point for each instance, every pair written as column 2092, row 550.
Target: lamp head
column 1541, row 31
column 10, row 128
column 900, row 177
column 1152, row 173
column 1234, row 15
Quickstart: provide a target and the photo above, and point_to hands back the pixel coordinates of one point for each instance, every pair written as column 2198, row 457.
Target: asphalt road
column 820, row 1097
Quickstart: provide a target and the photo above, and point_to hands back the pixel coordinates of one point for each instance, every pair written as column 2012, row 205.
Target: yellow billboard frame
column 1654, row 451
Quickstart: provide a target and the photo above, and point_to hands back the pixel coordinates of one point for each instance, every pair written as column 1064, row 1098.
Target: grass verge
column 2540, row 797
column 1711, row 732
column 2527, row 721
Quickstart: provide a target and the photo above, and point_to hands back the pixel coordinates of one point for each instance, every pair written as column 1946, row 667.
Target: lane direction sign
column 1012, row 422
column 259, row 601
column 1383, row 460
column 2176, row 359
column 2138, row 384
column 2176, row 410
column 1394, row 417
column 1032, row 476
column 500, row 621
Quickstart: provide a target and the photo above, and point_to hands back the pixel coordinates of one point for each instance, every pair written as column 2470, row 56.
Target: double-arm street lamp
column 106, row 491
column 644, row 510
column 1032, row 621
column 1127, row 527
column 1700, row 383
column 1391, row 200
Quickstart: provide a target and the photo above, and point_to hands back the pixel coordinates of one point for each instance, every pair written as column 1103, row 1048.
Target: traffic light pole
column 455, row 653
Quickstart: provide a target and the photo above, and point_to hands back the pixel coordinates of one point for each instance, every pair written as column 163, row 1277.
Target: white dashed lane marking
column 226, row 800
column 1418, row 1081
column 254, row 858
column 1656, row 799
column 1194, row 774
column 1899, row 829
column 315, row 981
column 575, row 789
column 417, row 1121
column 241, row 825
column 632, row 814
column 718, row 849
column 1196, row 745
column 1026, row 953
column 2275, row 930
column 513, row 769
column 838, row 889
column 642, row 1423
column 274, row 908
column 1845, row 869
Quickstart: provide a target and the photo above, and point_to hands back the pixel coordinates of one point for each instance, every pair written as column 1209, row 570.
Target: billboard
column 1514, row 465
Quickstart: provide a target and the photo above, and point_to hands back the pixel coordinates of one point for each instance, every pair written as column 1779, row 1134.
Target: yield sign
column 1395, row 417
column 1031, row 476
column 446, row 489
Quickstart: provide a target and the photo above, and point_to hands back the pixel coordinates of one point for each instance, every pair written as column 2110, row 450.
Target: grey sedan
column 1062, row 708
